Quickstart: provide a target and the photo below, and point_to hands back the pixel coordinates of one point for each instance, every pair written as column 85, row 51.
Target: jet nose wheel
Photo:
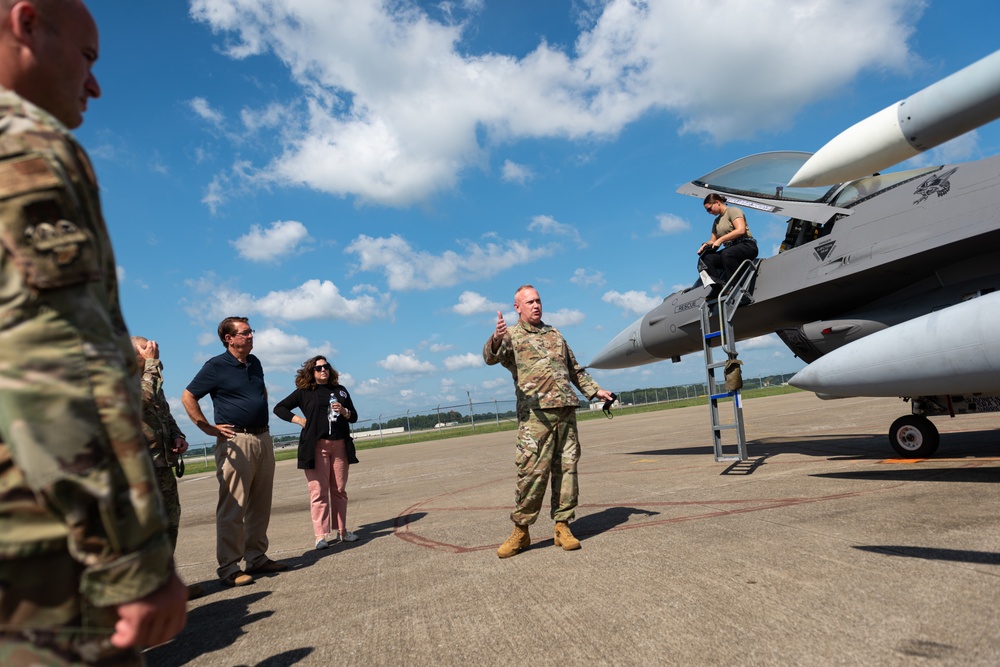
column 914, row 436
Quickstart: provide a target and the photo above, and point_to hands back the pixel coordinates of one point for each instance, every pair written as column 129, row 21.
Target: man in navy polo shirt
column 244, row 454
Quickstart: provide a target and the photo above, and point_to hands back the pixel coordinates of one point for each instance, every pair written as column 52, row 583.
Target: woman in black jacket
column 325, row 445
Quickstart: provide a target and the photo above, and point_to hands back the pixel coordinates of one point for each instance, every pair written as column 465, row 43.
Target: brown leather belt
column 252, row 430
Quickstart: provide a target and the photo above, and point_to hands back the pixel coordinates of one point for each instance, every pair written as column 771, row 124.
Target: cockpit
column 765, row 176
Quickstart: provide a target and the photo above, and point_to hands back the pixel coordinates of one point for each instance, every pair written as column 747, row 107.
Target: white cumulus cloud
column 669, row 223
column 282, row 238
column 632, row 301
column 406, row 268
column 393, row 106
column 584, row 278
column 545, row 224
column 313, row 300
column 516, row 173
column 473, row 303
column 405, row 364
column 283, row 351
column 564, row 317
column 205, row 111
column 460, row 361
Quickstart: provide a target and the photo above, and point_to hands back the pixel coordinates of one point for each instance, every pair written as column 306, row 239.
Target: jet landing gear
column 914, row 436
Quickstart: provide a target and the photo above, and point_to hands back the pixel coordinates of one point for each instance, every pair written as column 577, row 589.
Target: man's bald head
column 47, row 49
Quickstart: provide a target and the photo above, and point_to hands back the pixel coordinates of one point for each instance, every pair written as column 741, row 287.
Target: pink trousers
column 328, row 487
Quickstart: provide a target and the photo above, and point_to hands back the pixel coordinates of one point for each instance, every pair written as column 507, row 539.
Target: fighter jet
column 884, row 284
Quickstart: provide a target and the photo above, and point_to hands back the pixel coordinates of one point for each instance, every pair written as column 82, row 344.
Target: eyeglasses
column 245, row 334
column 322, row 367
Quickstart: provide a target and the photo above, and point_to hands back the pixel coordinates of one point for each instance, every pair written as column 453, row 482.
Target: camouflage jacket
column 543, row 367
column 158, row 424
column 75, row 471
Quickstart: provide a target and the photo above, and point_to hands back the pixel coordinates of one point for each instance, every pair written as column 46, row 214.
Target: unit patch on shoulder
column 62, row 239
column 30, row 174
column 50, row 250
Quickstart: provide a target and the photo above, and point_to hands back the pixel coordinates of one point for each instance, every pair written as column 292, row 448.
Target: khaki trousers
column 244, row 466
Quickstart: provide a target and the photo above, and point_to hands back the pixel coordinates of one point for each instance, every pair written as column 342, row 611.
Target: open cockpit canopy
column 766, row 175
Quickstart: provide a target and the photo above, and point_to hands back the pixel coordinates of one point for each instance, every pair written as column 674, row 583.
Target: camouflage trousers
column 44, row 622
column 171, row 502
column 547, row 443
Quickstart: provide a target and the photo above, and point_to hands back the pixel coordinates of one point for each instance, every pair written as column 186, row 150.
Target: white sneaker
column 348, row 537
column 322, row 543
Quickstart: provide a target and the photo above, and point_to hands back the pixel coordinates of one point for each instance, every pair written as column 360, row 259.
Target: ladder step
column 724, row 305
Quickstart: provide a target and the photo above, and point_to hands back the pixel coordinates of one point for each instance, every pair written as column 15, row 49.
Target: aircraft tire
column 914, row 436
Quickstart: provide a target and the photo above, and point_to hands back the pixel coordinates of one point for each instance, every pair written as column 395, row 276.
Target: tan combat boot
column 516, row 543
column 564, row 538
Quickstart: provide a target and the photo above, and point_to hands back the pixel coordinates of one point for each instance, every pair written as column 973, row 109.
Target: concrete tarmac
column 824, row 549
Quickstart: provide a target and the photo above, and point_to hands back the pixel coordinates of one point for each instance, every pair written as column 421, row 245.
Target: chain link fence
column 471, row 413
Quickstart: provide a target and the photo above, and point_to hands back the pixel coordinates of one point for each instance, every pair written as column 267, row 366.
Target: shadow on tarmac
column 844, row 447
column 987, row 475
column 385, row 527
column 824, row 445
column 285, row 659
column 212, row 627
column 603, row 521
column 929, row 553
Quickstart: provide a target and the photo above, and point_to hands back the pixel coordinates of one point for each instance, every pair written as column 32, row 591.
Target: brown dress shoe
column 267, row 567
column 237, row 579
column 196, row 591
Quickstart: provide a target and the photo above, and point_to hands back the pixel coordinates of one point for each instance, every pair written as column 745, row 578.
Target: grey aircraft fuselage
column 887, row 248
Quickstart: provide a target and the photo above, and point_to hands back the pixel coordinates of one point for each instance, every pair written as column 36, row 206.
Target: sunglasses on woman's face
column 323, row 367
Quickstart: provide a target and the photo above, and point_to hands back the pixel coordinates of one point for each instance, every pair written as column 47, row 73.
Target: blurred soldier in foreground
column 166, row 441
column 545, row 372
column 86, row 574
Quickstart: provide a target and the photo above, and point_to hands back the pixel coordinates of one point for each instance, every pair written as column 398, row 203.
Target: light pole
column 496, row 411
column 380, row 427
column 472, row 417
column 407, row 422
column 439, row 413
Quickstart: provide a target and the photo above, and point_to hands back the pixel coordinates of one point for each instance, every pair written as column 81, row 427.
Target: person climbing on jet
column 729, row 245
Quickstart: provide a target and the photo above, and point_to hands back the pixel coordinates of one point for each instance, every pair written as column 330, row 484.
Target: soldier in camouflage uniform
column 545, row 372
column 166, row 441
column 86, row 574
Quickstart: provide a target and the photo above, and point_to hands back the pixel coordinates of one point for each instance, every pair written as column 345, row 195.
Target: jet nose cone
column 624, row 351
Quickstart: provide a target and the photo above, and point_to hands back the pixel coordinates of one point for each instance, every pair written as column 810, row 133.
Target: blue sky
column 371, row 181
